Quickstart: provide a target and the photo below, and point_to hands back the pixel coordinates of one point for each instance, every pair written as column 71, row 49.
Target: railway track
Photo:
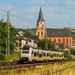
column 19, row 67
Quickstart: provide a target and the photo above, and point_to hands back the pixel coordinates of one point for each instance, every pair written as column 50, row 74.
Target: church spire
column 40, row 15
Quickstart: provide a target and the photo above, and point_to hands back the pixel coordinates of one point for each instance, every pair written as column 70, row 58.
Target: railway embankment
column 45, row 68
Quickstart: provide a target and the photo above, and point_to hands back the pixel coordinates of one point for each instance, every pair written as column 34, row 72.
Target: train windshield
column 25, row 51
column 25, row 48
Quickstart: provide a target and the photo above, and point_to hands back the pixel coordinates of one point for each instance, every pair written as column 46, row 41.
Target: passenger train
column 31, row 54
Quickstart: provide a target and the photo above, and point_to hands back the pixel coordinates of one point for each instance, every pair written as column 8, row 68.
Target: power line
column 59, row 13
column 12, row 19
column 22, row 18
column 21, row 8
column 18, row 17
column 66, row 10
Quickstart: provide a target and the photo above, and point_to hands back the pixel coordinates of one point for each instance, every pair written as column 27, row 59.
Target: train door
column 61, row 55
column 32, row 54
column 49, row 55
column 53, row 55
column 58, row 55
column 37, row 55
column 42, row 54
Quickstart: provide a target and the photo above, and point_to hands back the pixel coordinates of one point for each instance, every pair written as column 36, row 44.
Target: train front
column 24, row 54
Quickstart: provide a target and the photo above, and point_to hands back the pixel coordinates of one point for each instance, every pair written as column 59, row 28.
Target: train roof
column 39, row 48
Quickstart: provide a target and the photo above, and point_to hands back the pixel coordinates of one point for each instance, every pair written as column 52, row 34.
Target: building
column 40, row 28
column 60, row 37
column 25, row 38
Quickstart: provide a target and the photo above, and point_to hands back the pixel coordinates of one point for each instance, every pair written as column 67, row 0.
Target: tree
column 66, row 54
column 3, row 34
column 74, row 51
column 41, row 44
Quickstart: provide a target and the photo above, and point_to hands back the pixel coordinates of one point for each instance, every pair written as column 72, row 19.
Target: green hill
column 72, row 30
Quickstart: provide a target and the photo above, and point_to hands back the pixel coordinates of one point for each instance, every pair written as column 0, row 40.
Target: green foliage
column 2, row 56
column 66, row 54
column 72, row 33
column 3, row 34
column 71, row 51
column 31, row 31
column 74, row 51
column 73, row 37
column 13, row 57
column 12, row 39
column 41, row 44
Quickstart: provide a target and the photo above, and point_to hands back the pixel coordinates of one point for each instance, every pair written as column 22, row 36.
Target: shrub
column 66, row 54
column 2, row 56
column 74, row 51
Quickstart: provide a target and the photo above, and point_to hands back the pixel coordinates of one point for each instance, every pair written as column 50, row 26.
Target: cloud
column 70, row 2
column 35, row 2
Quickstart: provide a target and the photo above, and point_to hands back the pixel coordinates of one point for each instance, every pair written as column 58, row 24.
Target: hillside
column 72, row 30
column 32, row 31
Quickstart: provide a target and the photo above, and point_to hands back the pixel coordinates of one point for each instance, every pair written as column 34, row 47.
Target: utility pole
column 8, row 35
column 6, row 41
column 46, row 44
column 69, row 47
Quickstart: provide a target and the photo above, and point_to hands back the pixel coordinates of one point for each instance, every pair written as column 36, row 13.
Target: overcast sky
column 27, row 11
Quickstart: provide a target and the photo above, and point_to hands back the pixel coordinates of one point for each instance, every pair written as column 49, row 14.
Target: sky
column 24, row 13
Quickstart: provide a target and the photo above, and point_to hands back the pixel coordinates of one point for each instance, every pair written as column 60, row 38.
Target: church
column 57, row 36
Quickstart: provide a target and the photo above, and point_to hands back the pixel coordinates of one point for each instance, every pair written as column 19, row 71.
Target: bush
column 2, row 56
column 74, row 51
column 66, row 54
column 41, row 44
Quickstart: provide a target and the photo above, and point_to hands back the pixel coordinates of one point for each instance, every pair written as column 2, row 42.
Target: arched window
column 63, row 40
column 59, row 40
column 38, row 33
column 54, row 40
column 67, row 41
column 41, row 33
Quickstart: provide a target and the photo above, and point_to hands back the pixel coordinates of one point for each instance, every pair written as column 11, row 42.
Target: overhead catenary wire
column 12, row 19
column 21, row 8
column 66, row 10
column 59, row 13
column 22, row 19
column 18, row 17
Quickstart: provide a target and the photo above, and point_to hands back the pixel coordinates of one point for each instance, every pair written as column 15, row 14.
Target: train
column 32, row 54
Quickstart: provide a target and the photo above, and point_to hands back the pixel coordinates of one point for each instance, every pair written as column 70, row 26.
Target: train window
column 47, row 54
column 51, row 55
column 62, row 55
column 25, row 48
column 32, row 52
column 59, row 55
column 25, row 51
column 35, row 54
column 39, row 55
column 54, row 55
column 44, row 54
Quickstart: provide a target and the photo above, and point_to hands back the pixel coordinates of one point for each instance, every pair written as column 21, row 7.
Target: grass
column 13, row 57
column 44, row 69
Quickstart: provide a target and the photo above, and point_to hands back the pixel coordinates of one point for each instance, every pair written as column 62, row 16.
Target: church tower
column 40, row 28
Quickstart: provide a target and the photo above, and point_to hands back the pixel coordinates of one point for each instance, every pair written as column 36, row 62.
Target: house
column 23, row 38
